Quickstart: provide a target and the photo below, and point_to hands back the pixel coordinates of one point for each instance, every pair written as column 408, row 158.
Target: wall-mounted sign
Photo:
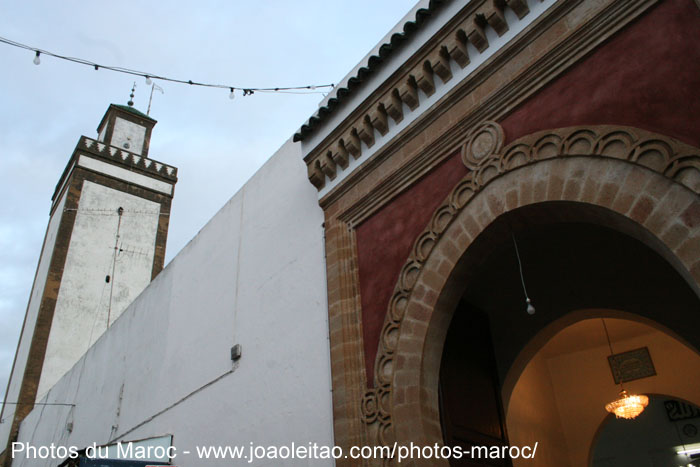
column 677, row 410
column 631, row 365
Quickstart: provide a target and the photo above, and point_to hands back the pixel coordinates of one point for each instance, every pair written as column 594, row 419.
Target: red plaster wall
column 384, row 241
column 647, row 76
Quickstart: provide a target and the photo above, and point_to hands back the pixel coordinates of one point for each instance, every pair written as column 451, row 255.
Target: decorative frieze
column 329, row 158
column 366, row 132
column 377, row 118
column 327, row 165
column 440, row 63
column 519, row 7
column 129, row 158
column 315, row 174
column 351, row 142
column 456, row 46
column 476, row 35
column 423, row 74
column 393, row 107
column 340, row 155
column 496, row 19
column 409, row 92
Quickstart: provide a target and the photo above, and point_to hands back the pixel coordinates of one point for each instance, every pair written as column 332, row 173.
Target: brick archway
column 651, row 180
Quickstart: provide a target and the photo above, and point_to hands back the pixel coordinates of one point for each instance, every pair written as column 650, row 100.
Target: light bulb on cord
column 37, row 60
column 530, row 307
column 148, row 80
column 232, row 95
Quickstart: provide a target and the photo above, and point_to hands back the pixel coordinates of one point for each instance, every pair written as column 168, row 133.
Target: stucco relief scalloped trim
column 483, row 155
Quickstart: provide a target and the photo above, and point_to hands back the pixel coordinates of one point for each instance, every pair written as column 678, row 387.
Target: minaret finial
column 131, row 101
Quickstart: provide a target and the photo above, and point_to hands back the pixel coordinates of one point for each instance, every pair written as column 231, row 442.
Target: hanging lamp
column 529, row 307
column 626, row 406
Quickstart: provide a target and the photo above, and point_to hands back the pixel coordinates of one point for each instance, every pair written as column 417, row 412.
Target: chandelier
column 626, row 406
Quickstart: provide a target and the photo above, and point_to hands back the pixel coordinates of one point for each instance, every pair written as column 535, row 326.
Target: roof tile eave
column 364, row 72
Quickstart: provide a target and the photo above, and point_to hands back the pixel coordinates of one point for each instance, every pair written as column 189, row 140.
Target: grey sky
column 216, row 143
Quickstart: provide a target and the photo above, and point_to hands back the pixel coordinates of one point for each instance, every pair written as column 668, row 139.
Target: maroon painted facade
column 646, row 76
column 385, row 240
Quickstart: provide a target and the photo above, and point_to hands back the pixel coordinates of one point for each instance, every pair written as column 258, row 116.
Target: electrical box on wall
column 236, row 352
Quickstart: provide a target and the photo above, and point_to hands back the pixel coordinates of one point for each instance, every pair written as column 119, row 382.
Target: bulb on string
column 530, row 307
column 149, row 79
column 232, row 95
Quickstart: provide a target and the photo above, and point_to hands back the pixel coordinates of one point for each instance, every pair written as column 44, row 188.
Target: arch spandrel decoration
column 486, row 158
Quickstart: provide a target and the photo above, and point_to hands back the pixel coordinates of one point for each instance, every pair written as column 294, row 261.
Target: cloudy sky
column 216, row 143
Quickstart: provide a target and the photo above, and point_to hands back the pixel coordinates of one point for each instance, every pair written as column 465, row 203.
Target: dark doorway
column 470, row 397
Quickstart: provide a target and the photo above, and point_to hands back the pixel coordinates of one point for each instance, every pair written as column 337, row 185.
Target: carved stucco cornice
column 129, row 159
column 432, row 62
column 550, row 65
column 486, row 159
column 118, row 156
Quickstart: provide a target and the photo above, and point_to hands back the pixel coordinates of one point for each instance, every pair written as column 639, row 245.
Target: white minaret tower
column 104, row 243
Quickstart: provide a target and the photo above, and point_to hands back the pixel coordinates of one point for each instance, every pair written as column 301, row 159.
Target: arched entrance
column 574, row 266
column 625, row 181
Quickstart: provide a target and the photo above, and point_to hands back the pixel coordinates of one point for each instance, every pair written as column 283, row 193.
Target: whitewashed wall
column 83, row 303
column 255, row 276
column 128, row 135
column 30, row 321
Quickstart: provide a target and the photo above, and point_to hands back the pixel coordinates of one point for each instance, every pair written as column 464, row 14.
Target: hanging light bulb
column 530, row 307
column 232, row 95
column 37, row 60
column 148, row 80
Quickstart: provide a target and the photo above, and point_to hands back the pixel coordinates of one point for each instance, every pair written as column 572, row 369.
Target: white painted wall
column 254, row 275
column 123, row 174
column 126, row 132
column 83, row 302
column 30, row 321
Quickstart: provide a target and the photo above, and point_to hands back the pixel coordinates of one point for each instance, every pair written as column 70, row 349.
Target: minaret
column 104, row 243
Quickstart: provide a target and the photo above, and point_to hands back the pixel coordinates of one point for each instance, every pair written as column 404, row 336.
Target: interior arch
column 559, row 398
column 580, row 262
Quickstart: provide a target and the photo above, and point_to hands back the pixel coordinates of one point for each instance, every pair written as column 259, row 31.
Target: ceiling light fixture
column 626, row 406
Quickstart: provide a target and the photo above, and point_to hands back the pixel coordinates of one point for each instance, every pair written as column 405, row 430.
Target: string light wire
column 312, row 88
